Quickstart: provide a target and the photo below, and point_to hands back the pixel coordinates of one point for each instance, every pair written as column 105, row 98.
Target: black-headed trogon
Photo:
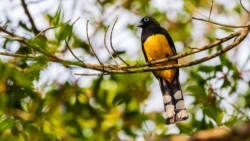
column 157, row 44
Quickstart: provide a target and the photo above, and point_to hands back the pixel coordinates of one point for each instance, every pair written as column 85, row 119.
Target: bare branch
column 110, row 68
column 100, row 74
column 25, row 7
column 107, row 47
column 244, row 7
column 90, row 43
column 244, row 33
column 192, row 48
column 137, row 68
column 111, row 35
column 12, row 34
column 67, row 45
column 234, row 106
column 72, row 28
column 20, row 39
column 188, row 53
column 230, row 26
column 211, row 8
column 75, row 21
column 17, row 55
column 36, row 2
column 72, row 52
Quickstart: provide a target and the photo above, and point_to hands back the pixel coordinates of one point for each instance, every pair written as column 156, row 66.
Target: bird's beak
column 140, row 24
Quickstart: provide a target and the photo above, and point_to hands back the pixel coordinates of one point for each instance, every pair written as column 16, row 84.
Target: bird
column 157, row 44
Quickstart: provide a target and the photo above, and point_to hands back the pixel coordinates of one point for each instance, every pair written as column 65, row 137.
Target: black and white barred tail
column 173, row 100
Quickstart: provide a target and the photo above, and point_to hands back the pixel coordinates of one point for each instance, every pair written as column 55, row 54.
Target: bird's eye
column 146, row 19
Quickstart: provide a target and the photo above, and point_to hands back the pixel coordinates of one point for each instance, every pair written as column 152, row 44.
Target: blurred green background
column 43, row 100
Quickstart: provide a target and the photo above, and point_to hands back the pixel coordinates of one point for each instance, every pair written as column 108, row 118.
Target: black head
column 148, row 21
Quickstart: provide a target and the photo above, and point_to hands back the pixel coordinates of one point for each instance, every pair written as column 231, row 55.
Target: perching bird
column 157, row 44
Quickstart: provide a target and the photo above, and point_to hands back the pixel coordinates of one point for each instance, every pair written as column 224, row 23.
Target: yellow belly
column 156, row 47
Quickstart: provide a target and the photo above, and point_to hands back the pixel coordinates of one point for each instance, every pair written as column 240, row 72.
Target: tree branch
column 107, row 47
column 25, row 7
column 230, row 26
column 90, row 43
column 244, row 7
column 211, row 8
column 67, row 45
column 137, row 68
column 18, row 55
column 112, row 44
column 244, row 33
column 219, row 41
column 93, row 74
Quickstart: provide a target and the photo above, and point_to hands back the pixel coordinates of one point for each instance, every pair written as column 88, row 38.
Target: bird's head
column 148, row 21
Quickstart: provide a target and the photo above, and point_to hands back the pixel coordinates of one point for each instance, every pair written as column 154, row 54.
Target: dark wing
column 144, row 53
column 170, row 41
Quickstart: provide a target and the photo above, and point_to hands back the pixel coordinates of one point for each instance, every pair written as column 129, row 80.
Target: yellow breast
column 157, row 47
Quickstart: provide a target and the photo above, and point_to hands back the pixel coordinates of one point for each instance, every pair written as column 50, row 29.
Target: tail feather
column 173, row 100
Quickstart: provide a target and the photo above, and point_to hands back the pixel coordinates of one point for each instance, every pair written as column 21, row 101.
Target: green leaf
column 6, row 124
column 196, row 90
column 159, row 119
column 120, row 98
column 24, row 26
column 214, row 113
column 20, row 79
column 184, row 128
column 198, row 79
column 210, row 113
column 58, row 17
column 206, row 69
column 64, row 32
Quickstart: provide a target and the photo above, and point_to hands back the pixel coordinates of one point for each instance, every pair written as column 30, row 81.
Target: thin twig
column 90, row 43
column 36, row 2
column 236, row 38
column 72, row 52
column 192, row 48
column 10, row 33
column 72, row 28
column 25, row 7
column 230, row 26
column 93, row 74
column 53, row 27
column 211, row 8
column 20, row 39
column 18, row 55
column 111, row 35
column 244, row 7
column 75, row 21
column 107, row 47
column 235, row 107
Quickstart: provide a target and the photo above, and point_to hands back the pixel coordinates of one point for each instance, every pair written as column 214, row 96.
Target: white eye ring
column 146, row 19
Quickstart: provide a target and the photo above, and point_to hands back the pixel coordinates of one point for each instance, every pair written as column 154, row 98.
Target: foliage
column 34, row 106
